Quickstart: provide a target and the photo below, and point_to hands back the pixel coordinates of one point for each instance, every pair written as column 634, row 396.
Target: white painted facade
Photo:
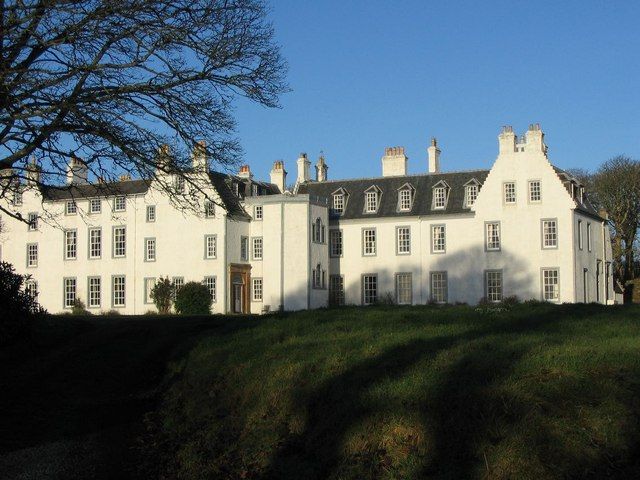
column 274, row 251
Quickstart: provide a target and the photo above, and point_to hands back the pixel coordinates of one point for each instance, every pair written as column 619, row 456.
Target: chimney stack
column 433, row 154
column 321, row 169
column 535, row 139
column 199, row 160
column 394, row 162
column 34, row 172
column 303, row 168
column 245, row 172
column 507, row 140
column 77, row 171
column 279, row 175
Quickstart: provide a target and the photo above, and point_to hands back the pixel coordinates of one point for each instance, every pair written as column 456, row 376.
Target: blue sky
column 370, row 74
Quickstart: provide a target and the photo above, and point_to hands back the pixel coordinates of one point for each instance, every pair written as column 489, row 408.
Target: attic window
column 371, row 199
column 405, row 198
column 440, row 194
column 338, row 202
column 471, row 192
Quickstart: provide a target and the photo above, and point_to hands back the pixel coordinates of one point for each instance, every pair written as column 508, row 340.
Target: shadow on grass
column 465, row 413
column 78, row 376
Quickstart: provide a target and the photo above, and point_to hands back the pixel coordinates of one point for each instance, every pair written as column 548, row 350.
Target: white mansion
column 522, row 228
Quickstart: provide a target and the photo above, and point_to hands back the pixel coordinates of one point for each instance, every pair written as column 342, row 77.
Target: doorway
column 239, row 277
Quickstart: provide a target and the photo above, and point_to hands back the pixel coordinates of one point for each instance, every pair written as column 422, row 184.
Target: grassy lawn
column 539, row 391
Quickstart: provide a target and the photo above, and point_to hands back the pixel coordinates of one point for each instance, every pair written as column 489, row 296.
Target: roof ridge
column 412, row 175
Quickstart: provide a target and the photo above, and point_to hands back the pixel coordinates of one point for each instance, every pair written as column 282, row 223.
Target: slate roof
column 89, row 190
column 586, row 206
column 222, row 183
column 423, row 185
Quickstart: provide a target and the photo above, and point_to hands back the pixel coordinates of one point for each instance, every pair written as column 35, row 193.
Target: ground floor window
column 31, row 287
column 550, row 284
column 210, row 283
column 69, row 292
column 404, row 288
column 149, row 283
column 336, row 290
column 369, row 289
column 493, row 285
column 118, row 291
column 178, row 282
column 257, row 289
column 439, row 290
column 94, row 292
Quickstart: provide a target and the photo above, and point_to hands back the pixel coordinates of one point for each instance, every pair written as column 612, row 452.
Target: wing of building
column 524, row 228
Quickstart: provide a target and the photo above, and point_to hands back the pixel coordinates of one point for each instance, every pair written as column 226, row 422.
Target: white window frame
column 257, row 249
column 31, row 289
column 535, row 191
column 369, row 242
column 403, row 240
column 212, row 285
column 32, row 255
column 490, row 278
column 257, row 212
column 118, row 291
column 94, row 295
column 93, row 210
column 209, row 209
column 580, row 245
column 119, row 241
column 468, row 201
column 405, row 199
column 256, row 289
column 120, row 203
column 150, row 249
column 93, row 243
column 589, row 245
column 335, row 243
column 401, row 288
column 550, row 292
column 369, row 288
column 438, row 287
column 439, row 197
column 32, row 222
column 70, row 244
column 150, row 214
column 509, row 193
column 149, row 283
column 69, row 291
column 338, row 203
column 210, row 247
column 70, row 207
column 177, row 283
column 371, row 201
column 437, row 246
column 492, row 236
column 549, row 232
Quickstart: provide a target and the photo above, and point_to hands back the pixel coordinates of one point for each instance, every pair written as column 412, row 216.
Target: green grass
column 538, row 391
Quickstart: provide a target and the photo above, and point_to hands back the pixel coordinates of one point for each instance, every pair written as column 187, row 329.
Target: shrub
column 18, row 308
column 79, row 308
column 111, row 313
column 193, row 299
column 386, row 298
column 162, row 294
column 511, row 301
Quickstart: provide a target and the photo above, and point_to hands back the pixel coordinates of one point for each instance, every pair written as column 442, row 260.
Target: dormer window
column 371, row 199
column 338, row 202
column 440, row 194
column 471, row 193
column 405, row 198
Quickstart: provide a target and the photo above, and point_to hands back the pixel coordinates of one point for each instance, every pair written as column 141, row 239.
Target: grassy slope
column 72, row 398
column 387, row 392
column 538, row 392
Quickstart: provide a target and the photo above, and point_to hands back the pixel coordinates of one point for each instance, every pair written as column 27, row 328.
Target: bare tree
column 111, row 82
column 616, row 185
